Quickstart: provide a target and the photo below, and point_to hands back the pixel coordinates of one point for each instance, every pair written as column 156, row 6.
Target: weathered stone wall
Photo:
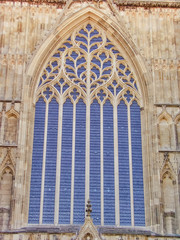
column 151, row 35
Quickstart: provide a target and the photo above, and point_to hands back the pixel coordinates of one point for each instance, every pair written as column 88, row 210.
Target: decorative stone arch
column 7, row 174
column 165, row 116
column 11, row 126
column 168, row 189
column 165, row 130
column 119, row 37
column 8, row 162
column 88, row 231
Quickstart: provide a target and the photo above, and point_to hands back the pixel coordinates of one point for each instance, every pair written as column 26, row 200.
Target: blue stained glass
column 96, row 61
column 95, row 165
column 128, row 96
column 107, row 64
column 109, row 46
column 96, row 71
column 65, row 87
column 107, row 72
column 119, row 57
column 94, row 33
column 55, row 71
column 84, row 47
column 74, row 94
column 54, row 64
column 83, row 32
column 40, row 82
column 94, row 47
column 111, row 89
column 50, row 169
column 135, row 86
column 127, row 72
column 44, row 76
column 95, row 40
column 138, row 187
column 68, row 44
column 37, row 160
column 102, row 56
column 48, row 69
column 115, row 51
column 118, row 89
column 61, row 81
column 62, row 49
column 66, row 164
column 74, row 55
column 70, row 62
column 57, row 87
column 47, row 93
column 123, row 155
column 57, row 55
column 81, row 39
column 108, row 151
column 80, row 70
column 81, row 60
column 70, row 71
column 79, row 178
column 88, row 27
column 101, row 95
column 121, row 66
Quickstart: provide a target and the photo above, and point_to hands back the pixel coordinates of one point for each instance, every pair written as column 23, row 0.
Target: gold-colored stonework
column 147, row 33
column 120, row 3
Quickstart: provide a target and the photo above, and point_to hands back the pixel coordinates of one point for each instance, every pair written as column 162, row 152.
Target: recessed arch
column 116, row 35
column 165, row 116
column 115, row 32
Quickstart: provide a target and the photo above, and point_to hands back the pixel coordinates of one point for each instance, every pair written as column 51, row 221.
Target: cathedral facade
column 89, row 119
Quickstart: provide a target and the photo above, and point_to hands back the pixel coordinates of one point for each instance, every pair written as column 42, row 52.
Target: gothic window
column 87, row 136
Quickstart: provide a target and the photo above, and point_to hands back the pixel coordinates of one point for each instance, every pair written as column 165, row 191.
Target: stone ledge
column 120, row 3
column 76, row 228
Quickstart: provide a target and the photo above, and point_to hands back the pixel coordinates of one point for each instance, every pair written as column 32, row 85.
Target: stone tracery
column 88, row 95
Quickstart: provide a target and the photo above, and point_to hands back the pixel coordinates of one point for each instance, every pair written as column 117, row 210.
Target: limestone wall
column 151, row 37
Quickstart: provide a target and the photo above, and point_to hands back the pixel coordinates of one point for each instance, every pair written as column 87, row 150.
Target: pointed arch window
column 87, row 136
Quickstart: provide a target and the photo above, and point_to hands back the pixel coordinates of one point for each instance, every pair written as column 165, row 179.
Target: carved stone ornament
column 7, row 163
column 88, row 231
column 167, row 169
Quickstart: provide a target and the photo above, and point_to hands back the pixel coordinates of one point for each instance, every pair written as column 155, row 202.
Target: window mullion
column 44, row 163
column 102, row 167
column 73, row 162
column 58, row 164
column 130, row 165
column 87, row 177
column 116, row 166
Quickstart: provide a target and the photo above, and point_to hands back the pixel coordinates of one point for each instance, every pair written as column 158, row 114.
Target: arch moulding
column 114, row 31
column 121, row 39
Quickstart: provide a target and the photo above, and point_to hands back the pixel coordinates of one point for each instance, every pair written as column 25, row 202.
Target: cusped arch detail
column 165, row 116
column 167, row 171
column 12, row 113
column 7, row 163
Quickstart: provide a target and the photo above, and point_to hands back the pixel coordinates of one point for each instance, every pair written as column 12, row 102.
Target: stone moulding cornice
column 119, row 3
column 148, row 4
